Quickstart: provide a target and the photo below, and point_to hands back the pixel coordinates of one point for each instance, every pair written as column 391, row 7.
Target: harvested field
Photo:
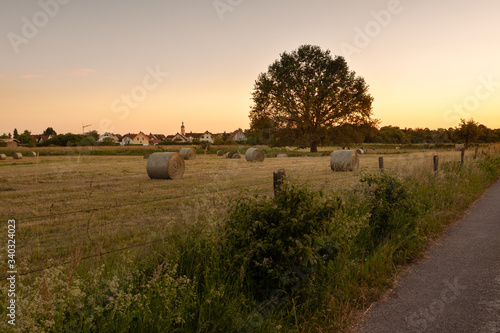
column 109, row 202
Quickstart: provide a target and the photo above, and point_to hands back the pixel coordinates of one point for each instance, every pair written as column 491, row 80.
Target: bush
column 230, row 142
column 276, row 243
column 391, row 209
column 107, row 142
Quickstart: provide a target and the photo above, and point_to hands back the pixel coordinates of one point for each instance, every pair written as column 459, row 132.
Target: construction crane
column 83, row 128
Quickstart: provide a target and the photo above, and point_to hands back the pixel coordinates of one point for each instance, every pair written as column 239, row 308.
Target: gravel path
column 457, row 287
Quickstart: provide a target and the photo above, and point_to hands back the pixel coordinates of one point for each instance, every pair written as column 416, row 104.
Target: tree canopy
column 26, row 138
column 469, row 131
column 49, row 131
column 306, row 94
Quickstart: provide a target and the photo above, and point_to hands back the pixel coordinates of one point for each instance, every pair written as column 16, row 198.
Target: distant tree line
column 263, row 133
column 62, row 140
column 71, row 140
column 467, row 132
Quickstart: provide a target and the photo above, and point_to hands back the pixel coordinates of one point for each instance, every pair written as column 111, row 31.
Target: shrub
column 276, row 243
column 107, row 142
column 230, row 142
column 391, row 208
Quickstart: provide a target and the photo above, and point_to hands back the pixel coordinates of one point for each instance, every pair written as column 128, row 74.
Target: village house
column 135, row 139
column 193, row 136
column 157, row 138
column 41, row 138
column 183, row 137
column 238, row 135
column 127, row 139
column 202, row 137
column 177, row 138
column 9, row 143
column 108, row 135
column 207, row 137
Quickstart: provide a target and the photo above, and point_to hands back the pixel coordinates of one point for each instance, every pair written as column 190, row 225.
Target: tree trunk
column 314, row 147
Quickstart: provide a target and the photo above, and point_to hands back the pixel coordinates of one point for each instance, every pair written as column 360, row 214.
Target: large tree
column 468, row 131
column 308, row 93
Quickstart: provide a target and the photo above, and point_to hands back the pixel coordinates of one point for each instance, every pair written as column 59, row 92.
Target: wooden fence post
column 462, row 159
column 381, row 163
column 278, row 180
column 476, row 152
column 436, row 163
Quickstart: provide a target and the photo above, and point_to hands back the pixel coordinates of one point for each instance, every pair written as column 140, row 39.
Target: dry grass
column 53, row 197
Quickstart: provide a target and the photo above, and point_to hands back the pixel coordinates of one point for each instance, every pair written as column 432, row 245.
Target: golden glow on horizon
column 217, row 108
column 421, row 75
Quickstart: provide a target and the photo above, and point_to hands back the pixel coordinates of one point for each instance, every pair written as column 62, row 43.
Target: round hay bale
column 188, row 153
column 3, row 157
column 236, row 156
column 344, row 160
column 146, row 156
column 229, row 155
column 282, row 155
column 220, row 153
column 31, row 154
column 165, row 166
column 255, row 155
column 360, row 151
column 17, row 156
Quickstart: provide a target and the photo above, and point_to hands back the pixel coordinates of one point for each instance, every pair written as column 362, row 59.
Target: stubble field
column 102, row 204
column 101, row 247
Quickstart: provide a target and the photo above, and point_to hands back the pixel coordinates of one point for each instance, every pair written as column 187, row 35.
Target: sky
column 127, row 66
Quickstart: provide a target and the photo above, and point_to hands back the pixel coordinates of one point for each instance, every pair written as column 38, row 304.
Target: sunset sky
column 129, row 66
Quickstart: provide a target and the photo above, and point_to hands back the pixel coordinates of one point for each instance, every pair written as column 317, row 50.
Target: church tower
column 183, row 129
